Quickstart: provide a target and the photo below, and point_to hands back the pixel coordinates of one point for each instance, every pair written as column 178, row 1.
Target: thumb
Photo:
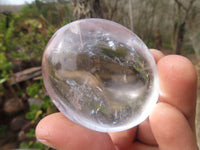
column 57, row 131
column 171, row 129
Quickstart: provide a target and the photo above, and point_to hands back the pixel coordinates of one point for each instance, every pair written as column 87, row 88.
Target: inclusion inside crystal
column 100, row 75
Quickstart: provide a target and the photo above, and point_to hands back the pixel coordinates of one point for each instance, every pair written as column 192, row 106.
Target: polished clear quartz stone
column 100, row 75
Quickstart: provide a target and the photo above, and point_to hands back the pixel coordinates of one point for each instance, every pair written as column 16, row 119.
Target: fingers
column 145, row 135
column 156, row 54
column 125, row 138
column 178, row 83
column 171, row 129
column 58, row 132
column 176, row 107
column 178, row 88
column 142, row 146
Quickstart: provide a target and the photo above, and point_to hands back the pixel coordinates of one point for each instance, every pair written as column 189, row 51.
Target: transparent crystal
column 100, row 75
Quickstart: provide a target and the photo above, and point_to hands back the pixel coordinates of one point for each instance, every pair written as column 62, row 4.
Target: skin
column 171, row 125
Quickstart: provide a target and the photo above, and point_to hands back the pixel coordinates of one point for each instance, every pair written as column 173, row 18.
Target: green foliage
column 20, row 55
column 37, row 90
column 57, row 14
column 9, row 34
column 167, row 45
column 47, row 103
column 2, row 32
column 32, row 144
column 2, row 130
column 3, row 22
column 31, row 133
column 23, row 36
column 34, row 90
column 188, row 49
column 28, row 32
column 33, row 113
column 150, row 43
column 5, row 67
column 36, row 112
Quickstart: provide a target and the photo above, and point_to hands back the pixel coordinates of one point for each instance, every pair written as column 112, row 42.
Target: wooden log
column 25, row 75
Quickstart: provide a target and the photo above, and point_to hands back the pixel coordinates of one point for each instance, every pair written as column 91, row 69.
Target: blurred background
column 171, row 26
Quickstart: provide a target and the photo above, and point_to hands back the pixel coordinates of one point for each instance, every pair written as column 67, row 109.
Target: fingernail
column 45, row 142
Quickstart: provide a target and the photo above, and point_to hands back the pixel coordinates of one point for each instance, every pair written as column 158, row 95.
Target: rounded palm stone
column 100, row 75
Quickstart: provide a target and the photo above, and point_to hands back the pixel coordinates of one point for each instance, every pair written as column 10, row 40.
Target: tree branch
column 190, row 5
column 186, row 9
column 114, row 9
column 181, row 5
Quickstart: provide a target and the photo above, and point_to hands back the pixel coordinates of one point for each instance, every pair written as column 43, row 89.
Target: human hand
column 171, row 125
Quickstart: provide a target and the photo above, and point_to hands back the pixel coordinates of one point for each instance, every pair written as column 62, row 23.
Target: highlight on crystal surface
column 100, row 75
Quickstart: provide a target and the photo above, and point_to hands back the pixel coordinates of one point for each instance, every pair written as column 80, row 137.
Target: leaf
column 31, row 133
column 30, row 115
column 23, row 145
column 3, row 80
